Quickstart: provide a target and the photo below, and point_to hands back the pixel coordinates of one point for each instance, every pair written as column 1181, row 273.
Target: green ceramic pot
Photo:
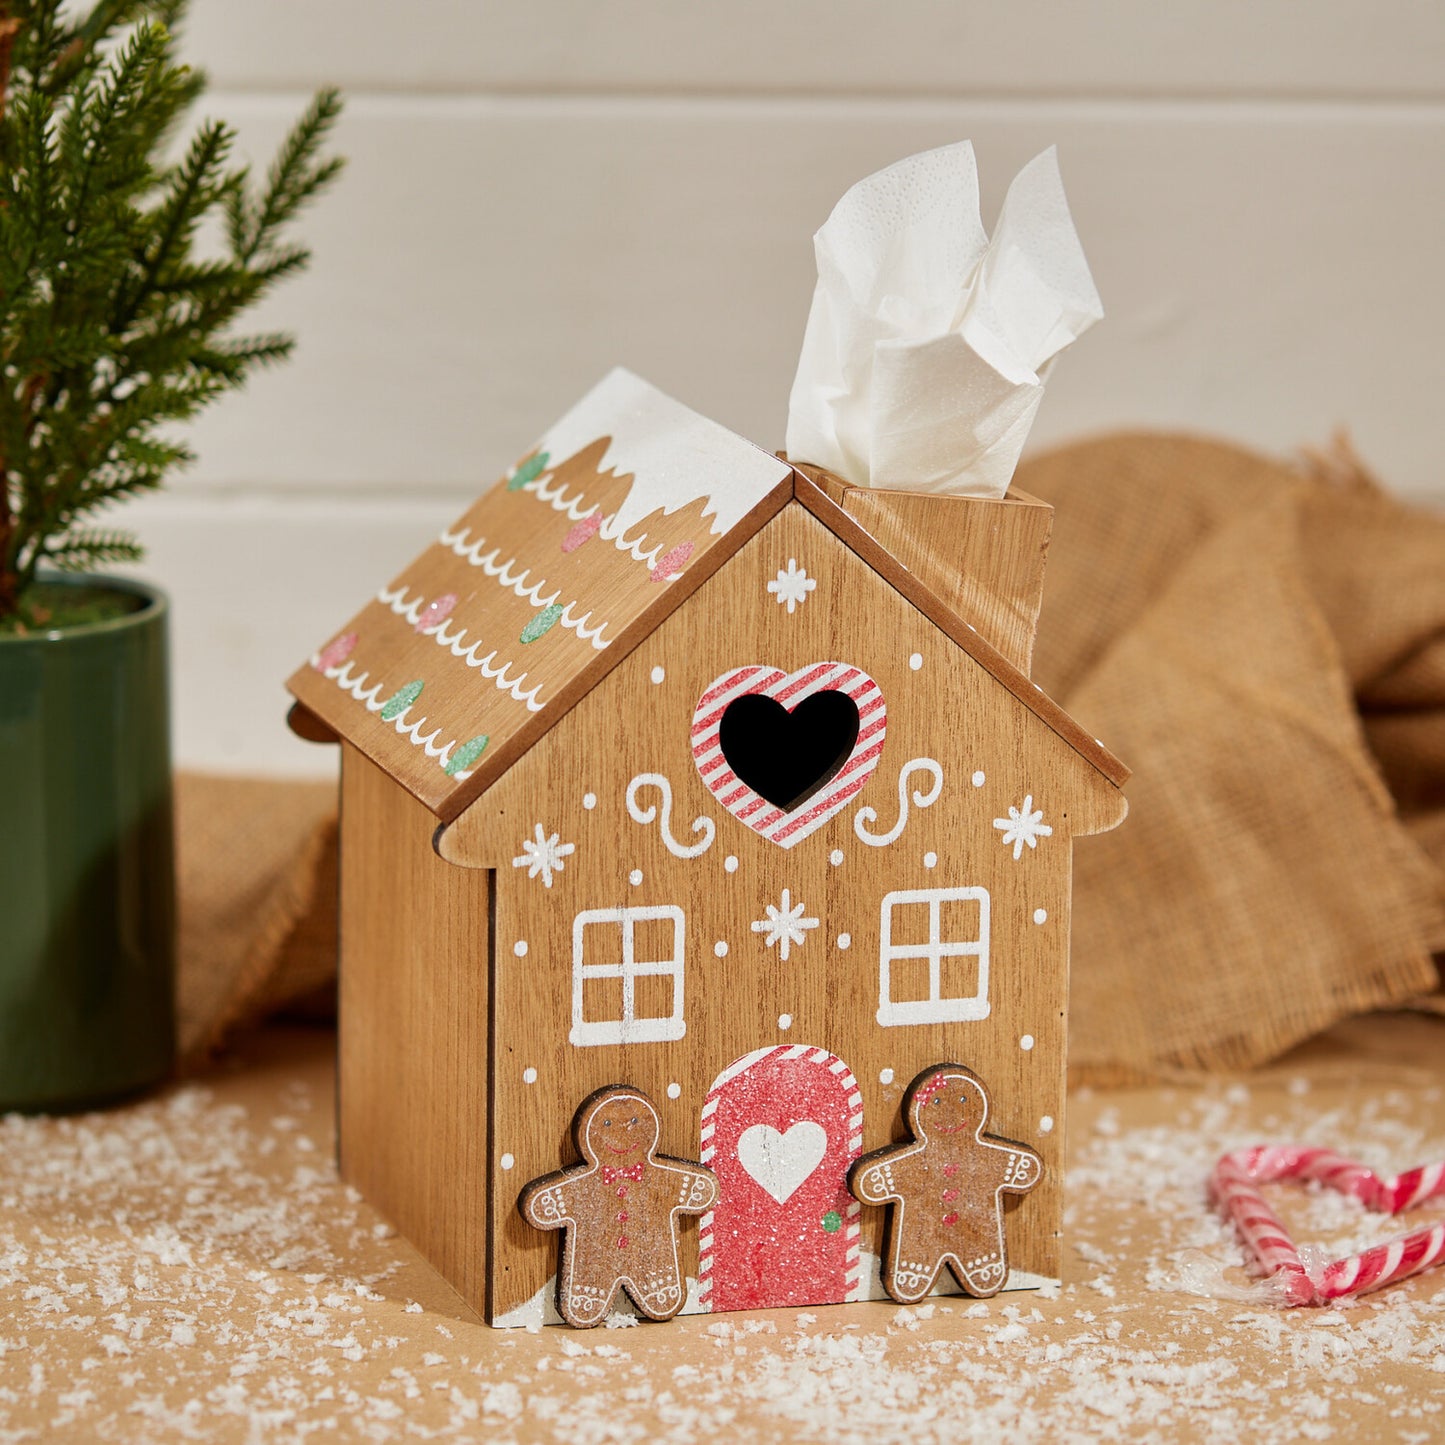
column 87, row 877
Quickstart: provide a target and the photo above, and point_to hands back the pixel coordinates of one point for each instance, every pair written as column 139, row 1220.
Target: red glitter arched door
column 780, row 1128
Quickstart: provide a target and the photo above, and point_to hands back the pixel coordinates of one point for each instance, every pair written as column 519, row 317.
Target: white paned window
column 627, row 975
column 933, row 956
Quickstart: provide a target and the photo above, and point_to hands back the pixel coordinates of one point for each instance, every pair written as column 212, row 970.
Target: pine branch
column 115, row 326
column 193, row 188
column 84, row 551
column 295, row 177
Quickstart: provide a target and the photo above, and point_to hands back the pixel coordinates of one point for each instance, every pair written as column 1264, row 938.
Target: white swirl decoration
column 921, row 799
column 703, row 826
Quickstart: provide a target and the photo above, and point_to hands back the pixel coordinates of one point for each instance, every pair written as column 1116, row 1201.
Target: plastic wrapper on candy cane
column 1235, row 1186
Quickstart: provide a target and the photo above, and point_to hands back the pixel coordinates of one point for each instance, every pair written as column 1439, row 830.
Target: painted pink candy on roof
column 436, row 612
column 584, row 531
column 671, row 563
column 335, row 652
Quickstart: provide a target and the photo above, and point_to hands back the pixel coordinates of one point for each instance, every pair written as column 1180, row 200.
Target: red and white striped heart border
column 788, row 689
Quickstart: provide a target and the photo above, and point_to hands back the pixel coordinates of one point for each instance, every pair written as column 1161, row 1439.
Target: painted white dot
column 885, row 1076
column 520, row 948
column 1041, row 915
column 658, row 674
column 720, row 948
column 589, row 801
column 731, row 863
column 835, row 857
column 785, row 1021
column 635, row 877
column 930, row 860
column 845, row 940
column 1046, row 1124
column 978, row 779
column 507, row 1161
column 1026, row 1043
column 529, row 1076
column 916, row 661
column 674, row 1090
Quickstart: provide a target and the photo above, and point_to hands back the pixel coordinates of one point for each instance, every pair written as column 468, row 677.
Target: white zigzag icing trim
column 454, row 643
column 497, row 674
column 576, row 507
column 515, row 581
column 356, row 687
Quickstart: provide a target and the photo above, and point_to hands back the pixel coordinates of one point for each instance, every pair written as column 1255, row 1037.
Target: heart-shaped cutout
column 782, row 1163
column 784, row 751
column 788, row 756
column 1235, row 1186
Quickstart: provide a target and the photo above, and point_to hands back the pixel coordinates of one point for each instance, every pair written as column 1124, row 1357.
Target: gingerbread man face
column 619, row 1128
column 947, row 1104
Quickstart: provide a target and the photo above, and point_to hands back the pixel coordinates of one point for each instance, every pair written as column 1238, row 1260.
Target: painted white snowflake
column 792, row 585
column 543, row 855
column 784, row 926
column 1023, row 825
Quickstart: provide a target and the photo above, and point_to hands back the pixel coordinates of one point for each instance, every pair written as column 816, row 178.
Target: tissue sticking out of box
column 928, row 344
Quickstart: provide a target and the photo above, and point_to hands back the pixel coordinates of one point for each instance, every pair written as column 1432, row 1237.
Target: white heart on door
column 779, row 1163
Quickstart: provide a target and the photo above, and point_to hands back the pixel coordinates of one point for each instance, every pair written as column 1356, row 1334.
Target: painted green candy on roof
column 400, row 700
column 542, row 623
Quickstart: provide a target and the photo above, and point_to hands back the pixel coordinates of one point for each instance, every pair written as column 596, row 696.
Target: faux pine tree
column 116, row 321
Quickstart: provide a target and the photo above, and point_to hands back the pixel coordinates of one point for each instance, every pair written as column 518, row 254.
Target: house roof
column 620, row 512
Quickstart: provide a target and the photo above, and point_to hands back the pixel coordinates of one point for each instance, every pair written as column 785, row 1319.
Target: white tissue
column 928, row 344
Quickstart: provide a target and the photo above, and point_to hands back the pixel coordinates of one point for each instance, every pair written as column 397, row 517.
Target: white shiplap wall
column 540, row 190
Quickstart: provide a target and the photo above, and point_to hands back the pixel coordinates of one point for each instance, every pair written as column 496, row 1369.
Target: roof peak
column 467, row 658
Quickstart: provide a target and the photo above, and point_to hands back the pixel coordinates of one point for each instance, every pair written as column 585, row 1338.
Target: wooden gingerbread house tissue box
column 676, row 772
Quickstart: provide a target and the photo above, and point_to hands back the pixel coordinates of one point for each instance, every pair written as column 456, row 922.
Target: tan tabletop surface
column 190, row 1268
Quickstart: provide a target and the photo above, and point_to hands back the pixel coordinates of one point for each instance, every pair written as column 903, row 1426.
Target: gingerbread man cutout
column 947, row 1188
column 618, row 1211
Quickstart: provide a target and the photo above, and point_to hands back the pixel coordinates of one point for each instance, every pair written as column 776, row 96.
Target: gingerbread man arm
column 882, row 1175
column 697, row 1188
column 1022, row 1168
column 546, row 1202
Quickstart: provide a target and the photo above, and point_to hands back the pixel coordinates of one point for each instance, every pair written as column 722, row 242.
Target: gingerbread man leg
column 906, row 1278
column 982, row 1268
column 658, row 1293
column 584, row 1303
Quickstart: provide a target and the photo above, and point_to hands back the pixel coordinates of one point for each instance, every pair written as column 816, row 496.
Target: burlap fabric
column 1264, row 646
column 256, row 872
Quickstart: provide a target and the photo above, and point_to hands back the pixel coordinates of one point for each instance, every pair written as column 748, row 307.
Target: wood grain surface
column 413, row 1118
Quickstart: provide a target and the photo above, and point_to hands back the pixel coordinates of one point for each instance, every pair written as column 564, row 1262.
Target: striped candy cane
column 1235, row 1186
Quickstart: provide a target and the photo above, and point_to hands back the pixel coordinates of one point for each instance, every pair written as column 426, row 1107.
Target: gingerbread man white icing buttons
column 946, row 1187
column 618, row 1210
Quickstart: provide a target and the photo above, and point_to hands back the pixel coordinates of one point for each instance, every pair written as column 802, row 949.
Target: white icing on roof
column 674, row 455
